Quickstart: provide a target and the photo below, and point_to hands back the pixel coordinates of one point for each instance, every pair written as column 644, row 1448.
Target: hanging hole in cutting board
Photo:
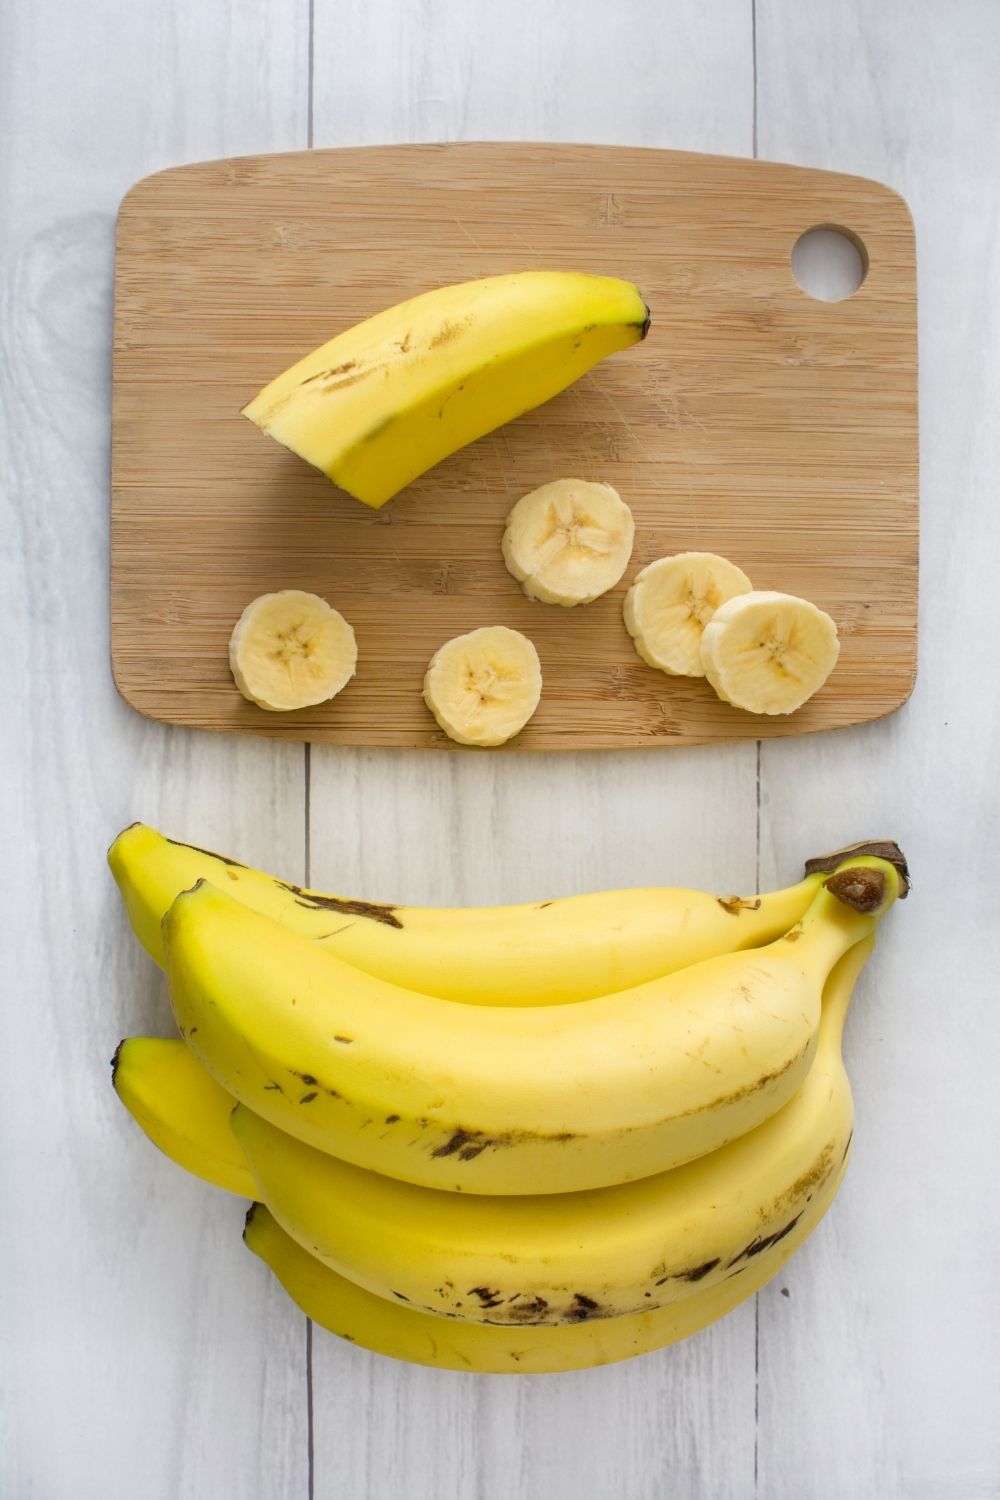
column 829, row 262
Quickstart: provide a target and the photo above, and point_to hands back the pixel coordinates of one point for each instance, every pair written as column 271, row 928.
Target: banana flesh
column 539, row 953
column 569, row 541
column 291, row 650
column 571, row 1256
column 497, row 1099
column 181, row 1109
column 767, row 652
column 483, row 687
column 672, row 600
column 391, row 397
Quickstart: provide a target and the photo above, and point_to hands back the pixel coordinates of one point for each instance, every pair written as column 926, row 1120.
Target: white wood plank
column 671, row 73
column 145, row 1352
column 880, row 1372
column 470, row 828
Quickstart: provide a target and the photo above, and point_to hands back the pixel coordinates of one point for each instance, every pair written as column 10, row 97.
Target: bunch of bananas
column 522, row 1138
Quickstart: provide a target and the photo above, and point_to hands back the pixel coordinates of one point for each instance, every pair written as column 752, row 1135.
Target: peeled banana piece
column 482, row 688
column 569, row 541
column 391, row 397
column 181, row 1109
column 566, row 1257
column 767, row 652
column 291, row 650
column 501, row 1100
column 540, row 952
column 672, row 600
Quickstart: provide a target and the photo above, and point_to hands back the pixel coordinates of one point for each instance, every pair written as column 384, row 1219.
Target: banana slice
column 767, row 652
column 670, row 603
column 291, row 650
column 568, row 542
column 483, row 687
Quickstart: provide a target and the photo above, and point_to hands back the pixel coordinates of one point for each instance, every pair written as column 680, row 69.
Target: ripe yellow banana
column 182, row 1109
column 400, row 1331
column 394, row 395
column 498, row 1099
column 567, row 1257
column 538, row 953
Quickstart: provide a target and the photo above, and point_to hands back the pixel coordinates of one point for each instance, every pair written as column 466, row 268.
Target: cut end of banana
column 291, row 650
column 483, row 687
column 767, row 652
column 569, row 541
column 670, row 603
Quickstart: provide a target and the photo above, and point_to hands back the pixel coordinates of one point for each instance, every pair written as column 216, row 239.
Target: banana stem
column 849, row 905
column 869, row 849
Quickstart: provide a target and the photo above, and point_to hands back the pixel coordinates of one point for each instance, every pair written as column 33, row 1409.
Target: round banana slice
column 670, row 603
column 291, row 650
column 483, row 687
column 768, row 653
column 569, row 542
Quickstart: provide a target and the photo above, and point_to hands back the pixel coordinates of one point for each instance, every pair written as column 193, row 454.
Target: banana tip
column 251, row 1212
column 187, row 891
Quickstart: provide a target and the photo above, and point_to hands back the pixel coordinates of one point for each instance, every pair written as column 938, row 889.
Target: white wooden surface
column 144, row 1353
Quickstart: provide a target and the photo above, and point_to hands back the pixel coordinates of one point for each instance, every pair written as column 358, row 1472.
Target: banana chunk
column 569, row 541
column 291, row 650
column 670, row 603
column 767, row 652
column 483, row 687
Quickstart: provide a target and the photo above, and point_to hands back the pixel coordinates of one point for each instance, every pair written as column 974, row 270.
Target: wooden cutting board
column 754, row 421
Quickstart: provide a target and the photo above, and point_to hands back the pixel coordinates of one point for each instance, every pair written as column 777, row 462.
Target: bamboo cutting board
column 753, row 421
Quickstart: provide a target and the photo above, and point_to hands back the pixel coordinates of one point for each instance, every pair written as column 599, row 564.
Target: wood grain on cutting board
column 753, row 421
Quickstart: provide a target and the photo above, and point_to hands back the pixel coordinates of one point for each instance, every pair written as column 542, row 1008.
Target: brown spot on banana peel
column 448, row 331
column 696, row 1273
column 328, row 374
column 487, row 1296
column 311, row 1081
column 735, row 904
column 313, row 901
column 526, row 1312
column 209, row 853
column 585, row 1307
column 812, row 1178
column 468, row 1144
column 764, row 1242
column 885, row 849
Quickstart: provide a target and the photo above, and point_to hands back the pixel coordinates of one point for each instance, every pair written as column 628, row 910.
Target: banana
column 405, row 1333
column 501, row 1099
column 565, row 1257
column 539, row 953
column 181, row 1109
column 672, row 600
column 768, row 653
column 483, row 687
column 386, row 400
column 568, row 542
column 291, row 650
column 400, row 1331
